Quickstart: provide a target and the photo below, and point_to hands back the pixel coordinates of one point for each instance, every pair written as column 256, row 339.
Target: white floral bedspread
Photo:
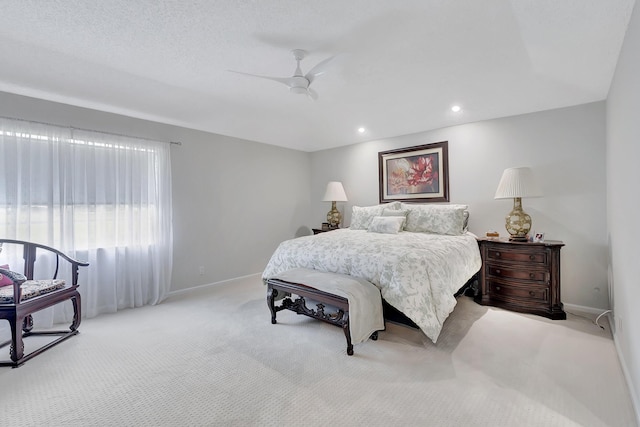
column 417, row 273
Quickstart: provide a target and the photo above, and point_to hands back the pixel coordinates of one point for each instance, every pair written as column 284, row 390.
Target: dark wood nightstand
column 521, row 276
column 319, row 230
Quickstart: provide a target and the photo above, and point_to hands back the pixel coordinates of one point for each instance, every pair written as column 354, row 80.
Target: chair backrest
column 29, row 255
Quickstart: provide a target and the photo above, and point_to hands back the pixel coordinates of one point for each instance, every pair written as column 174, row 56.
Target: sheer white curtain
column 100, row 198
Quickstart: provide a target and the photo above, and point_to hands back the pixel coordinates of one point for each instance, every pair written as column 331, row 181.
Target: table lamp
column 515, row 184
column 335, row 193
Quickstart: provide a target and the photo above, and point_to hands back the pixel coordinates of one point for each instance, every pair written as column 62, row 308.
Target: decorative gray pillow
column 436, row 219
column 386, row 224
column 392, row 205
column 361, row 216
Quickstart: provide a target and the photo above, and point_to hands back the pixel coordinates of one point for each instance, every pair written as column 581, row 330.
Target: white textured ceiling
column 408, row 61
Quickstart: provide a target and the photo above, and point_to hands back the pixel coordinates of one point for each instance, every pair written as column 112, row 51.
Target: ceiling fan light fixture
column 299, row 83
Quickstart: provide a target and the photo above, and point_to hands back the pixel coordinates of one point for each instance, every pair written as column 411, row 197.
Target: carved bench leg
column 271, row 296
column 347, row 334
column 299, row 306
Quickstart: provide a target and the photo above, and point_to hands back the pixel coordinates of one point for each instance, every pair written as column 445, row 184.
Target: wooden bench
column 28, row 297
column 330, row 308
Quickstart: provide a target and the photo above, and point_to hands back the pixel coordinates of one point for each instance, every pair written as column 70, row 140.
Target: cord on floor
column 595, row 322
column 598, row 318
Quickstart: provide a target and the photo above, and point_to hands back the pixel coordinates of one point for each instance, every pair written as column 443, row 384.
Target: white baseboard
column 625, row 371
column 584, row 309
column 208, row 285
column 632, row 391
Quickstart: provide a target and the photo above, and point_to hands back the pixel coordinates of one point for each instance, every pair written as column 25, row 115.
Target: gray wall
column 234, row 200
column 623, row 176
column 564, row 147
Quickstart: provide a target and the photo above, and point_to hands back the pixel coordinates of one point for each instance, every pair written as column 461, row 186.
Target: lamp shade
column 517, row 182
column 335, row 192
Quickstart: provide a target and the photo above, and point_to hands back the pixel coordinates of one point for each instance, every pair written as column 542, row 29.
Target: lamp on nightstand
column 335, row 193
column 515, row 184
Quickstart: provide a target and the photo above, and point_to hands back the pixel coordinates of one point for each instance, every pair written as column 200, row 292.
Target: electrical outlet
column 201, row 270
column 618, row 324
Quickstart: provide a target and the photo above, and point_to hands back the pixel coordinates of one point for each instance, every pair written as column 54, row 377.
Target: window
column 104, row 198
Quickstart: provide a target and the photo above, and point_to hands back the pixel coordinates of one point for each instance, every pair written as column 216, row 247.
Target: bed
column 417, row 255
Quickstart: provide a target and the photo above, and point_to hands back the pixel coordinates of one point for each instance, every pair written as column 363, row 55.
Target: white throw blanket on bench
column 365, row 302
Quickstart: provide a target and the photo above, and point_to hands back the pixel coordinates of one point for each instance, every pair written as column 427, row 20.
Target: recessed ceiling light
column 361, row 130
column 455, row 108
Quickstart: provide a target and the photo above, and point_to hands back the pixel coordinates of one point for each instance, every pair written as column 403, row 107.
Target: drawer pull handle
column 498, row 271
column 532, row 257
column 497, row 288
column 531, row 275
column 497, row 254
column 533, row 294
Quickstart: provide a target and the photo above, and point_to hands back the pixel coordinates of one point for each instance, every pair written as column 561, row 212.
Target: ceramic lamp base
column 334, row 217
column 518, row 222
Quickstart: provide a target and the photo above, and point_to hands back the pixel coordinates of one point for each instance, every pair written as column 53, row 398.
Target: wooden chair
column 29, row 296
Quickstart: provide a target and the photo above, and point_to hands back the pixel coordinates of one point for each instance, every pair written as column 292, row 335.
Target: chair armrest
column 17, row 279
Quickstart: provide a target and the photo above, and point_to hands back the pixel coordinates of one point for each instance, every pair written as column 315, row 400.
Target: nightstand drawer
column 531, row 293
column 533, row 275
column 518, row 256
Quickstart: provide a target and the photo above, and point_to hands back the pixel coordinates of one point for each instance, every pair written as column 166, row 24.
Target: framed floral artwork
column 415, row 174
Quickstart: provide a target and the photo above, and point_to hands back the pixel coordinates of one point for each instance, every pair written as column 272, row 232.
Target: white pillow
column 361, row 216
column 404, row 205
column 392, row 205
column 399, row 212
column 386, row 224
column 436, row 219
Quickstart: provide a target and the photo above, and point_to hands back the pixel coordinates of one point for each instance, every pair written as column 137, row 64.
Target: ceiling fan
column 299, row 83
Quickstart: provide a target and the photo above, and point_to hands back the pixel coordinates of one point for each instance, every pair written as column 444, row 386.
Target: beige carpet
column 212, row 357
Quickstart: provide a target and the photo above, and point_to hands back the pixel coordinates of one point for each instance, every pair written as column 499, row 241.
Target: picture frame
column 538, row 237
column 415, row 174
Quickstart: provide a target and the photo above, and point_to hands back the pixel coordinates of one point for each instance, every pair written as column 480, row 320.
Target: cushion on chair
column 31, row 289
column 7, row 277
column 4, row 279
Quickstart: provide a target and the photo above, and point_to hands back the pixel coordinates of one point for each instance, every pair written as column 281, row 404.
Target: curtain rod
column 90, row 130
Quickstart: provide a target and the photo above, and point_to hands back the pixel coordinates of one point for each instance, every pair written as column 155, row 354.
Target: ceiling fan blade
column 285, row 80
column 312, row 94
column 322, row 67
